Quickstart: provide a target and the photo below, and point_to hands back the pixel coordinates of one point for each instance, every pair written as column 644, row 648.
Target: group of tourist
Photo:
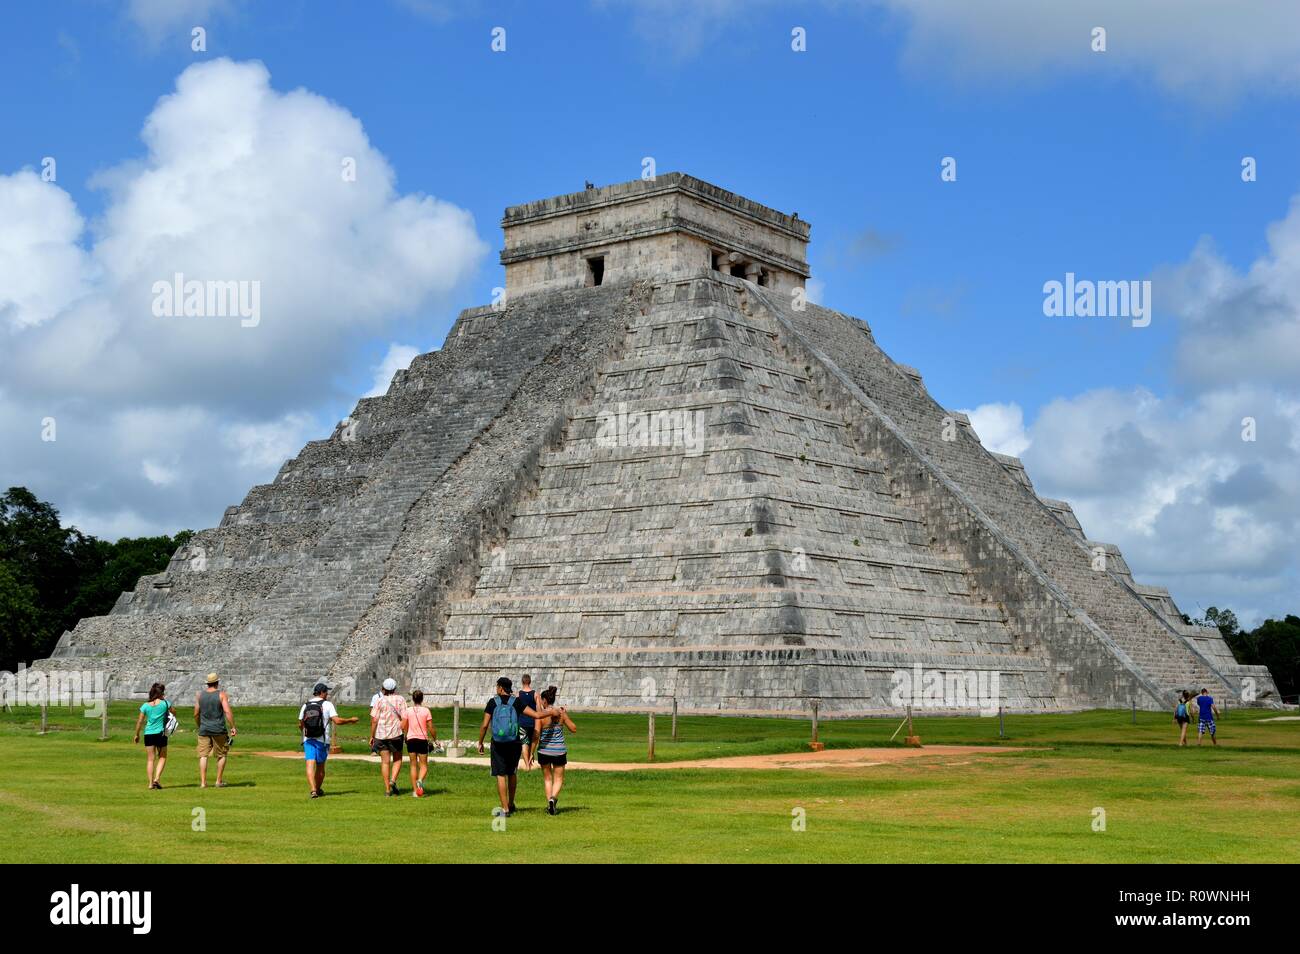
column 525, row 726
column 212, row 717
column 1200, row 705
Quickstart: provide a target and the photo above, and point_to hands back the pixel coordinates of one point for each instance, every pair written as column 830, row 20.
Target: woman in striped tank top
column 552, row 753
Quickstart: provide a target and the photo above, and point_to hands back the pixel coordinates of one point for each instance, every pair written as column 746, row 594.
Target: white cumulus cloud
column 239, row 183
column 398, row 358
column 1001, row 427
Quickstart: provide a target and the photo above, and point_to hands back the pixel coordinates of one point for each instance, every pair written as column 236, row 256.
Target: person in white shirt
column 317, row 719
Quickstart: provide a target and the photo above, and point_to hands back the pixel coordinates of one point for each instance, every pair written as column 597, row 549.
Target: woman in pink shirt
column 417, row 722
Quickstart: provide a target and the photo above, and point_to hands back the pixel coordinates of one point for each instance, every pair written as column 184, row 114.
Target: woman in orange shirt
column 417, row 723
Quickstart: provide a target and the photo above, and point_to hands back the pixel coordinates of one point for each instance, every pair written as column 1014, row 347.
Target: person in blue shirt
column 1207, row 711
column 153, row 716
column 1182, row 716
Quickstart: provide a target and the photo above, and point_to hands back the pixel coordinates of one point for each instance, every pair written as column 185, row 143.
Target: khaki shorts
column 217, row 745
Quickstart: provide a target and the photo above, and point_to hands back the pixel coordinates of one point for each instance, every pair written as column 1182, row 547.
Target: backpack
column 169, row 720
column 313, row 720
column 505, row 721
column 1181, row 711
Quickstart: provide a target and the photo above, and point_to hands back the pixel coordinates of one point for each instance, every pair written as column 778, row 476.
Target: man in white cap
column 386, row 733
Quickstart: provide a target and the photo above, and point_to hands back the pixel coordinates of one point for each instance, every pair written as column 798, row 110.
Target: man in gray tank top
column 216, row 725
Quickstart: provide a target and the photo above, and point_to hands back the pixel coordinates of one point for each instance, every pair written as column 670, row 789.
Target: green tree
column 1225, row 620
column 19, row 615
column 1275, row 643
column 51, row 576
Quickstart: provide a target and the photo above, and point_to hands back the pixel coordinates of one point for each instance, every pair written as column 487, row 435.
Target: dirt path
column 829, row 758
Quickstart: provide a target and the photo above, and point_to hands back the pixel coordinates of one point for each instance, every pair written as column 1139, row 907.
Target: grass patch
column 68, row 797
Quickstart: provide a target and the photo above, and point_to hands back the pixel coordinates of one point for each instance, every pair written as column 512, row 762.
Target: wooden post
column 674, row 718
column 816, row 705
column 455, row 722
column 1135, row 712
column 1002, row 731
column 652, row 737
column 912, row 740
column 103, row 716
column 45, row 718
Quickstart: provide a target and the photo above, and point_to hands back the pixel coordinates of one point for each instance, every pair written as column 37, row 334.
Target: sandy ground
column 829, row 758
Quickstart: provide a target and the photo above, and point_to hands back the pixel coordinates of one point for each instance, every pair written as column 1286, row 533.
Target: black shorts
column 1182, row 720
column 505, row 757
column 417, row 746
column 388, row 745
column 552, row 759
column 158, row 740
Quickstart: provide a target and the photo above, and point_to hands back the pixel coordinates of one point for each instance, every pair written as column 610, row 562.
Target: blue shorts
column 1204, row 725
column 314, row 750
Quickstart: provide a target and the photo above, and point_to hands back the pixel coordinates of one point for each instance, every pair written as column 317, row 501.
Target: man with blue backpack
column 502, row 715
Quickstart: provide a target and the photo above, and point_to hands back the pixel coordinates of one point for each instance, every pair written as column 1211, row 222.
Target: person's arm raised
column 544, row 713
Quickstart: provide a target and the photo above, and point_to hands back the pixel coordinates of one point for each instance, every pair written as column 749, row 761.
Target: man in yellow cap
column 216, row 728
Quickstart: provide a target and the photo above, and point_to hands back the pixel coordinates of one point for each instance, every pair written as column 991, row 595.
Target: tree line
column 51, row 575
column 1274, row 643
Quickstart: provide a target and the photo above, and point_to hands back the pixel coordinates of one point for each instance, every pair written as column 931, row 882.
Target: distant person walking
column 1207, row 711
column 153, row 716
column 216, row 724
column 1182, row 717
column 417, row 723
column 502, row 714
column 317, row 719
column 527, row 724
column 552, row 750
column 386, row 733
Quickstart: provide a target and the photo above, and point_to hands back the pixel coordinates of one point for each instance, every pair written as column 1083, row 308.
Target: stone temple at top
column 654, row 471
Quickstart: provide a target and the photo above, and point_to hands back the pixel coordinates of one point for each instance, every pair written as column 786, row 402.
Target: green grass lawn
column 68, row 797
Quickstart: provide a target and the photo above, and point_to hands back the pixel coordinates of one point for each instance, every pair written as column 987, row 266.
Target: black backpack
column 313, row 720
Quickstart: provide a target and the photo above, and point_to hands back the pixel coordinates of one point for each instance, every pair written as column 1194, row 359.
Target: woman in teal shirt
column 155, row 732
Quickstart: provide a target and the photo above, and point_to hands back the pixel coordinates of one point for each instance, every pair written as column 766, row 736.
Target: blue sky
column 1111, row 165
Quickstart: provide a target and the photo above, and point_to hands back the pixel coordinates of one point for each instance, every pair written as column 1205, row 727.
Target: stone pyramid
column 653, row 471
